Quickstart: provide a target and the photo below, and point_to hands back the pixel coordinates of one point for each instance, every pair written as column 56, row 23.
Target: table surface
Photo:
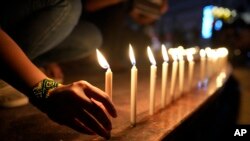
column 28, row 123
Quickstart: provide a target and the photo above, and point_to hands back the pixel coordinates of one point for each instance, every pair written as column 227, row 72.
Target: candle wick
column 108, row 67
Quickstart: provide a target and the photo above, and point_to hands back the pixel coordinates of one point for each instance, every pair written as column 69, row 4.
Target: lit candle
column 153, row 71
column 223, row 55
column 216, row 56
column 164, row 76
column 208, row 61
column 220, row 57
column 190, row 70
column 133, row 91
column 202, row 64
column 173, row 75
column 108, row 75
column 213, row 58
column 181, row 70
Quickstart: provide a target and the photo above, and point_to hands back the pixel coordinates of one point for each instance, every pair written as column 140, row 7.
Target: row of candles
column 209, row 60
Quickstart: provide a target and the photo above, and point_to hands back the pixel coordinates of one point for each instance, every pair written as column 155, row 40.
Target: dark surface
column 216, row 120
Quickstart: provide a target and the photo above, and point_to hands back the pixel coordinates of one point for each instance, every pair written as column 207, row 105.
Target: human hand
column 144, row 18
column 82, row 107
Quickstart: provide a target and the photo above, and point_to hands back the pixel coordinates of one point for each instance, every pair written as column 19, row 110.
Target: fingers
column 80, row 100
column 92, row 108
column 100, row 115
column 86, row 118
column 78, row 103
column 77, row 125
column 97, row 94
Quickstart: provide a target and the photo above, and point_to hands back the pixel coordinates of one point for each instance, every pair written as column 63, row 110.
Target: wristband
column 43, row 88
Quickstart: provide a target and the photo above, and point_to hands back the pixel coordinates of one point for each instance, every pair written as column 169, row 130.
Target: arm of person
column 79, row 105
column 17, row 69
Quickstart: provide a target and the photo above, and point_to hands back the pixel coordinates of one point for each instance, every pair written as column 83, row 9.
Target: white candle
column 213, row 61
column 133, row 90
column 208, row 62
column 164, row 76
column 153, row 71
column 181, row 71
column 225, row 56
column 219, row 61
column 109, row 83
column 190, row 70
column 108, row 75
column 202, row 64
column 223, row 53
column 173, row 75
column 216, row 61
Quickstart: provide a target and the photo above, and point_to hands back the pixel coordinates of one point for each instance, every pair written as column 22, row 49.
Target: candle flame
column 164, row 53
column 151, row 56
column 131, row 55
column 212, row 54
column 173, row 52
column 190, row 57
column 181, row 52
column 202, row 53
column 101, row 60
column 208, row 51
column 191, row 50
column 222, row 51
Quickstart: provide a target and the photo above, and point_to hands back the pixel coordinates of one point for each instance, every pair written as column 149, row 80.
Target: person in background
column 126, row 22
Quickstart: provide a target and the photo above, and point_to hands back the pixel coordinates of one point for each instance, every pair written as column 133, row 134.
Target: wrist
column 43, row 88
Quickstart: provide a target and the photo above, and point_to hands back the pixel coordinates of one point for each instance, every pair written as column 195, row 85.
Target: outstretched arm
column 16, row 68
column 79, row 105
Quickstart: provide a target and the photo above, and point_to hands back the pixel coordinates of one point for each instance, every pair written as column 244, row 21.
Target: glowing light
column 208, row 51
column 190, row 57
column 220, row 79
column 151, row 56
column 222, row 51
column 202, row 53
column 207, row 22
column 191, row 50
column 101, row 60
column 174, row 53
column 218, row 25
column 181, row 52
column 164, row 53
column 131, row 55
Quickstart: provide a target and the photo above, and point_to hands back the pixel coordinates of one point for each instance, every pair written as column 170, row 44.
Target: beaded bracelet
column 44, row 87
